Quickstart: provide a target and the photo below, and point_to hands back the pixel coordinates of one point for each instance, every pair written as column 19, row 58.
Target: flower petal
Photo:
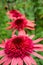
column 2, row 45
column 31, row 24
column 37, row 55
column 31, row 28
column 3, row 59
column 38, row 49
column 38, row 45
column 21, row 32
column 33, row 61
column 37, row 40
column 2, row 53
column 27, row 60
column 13, row 32
column 3, row 42
column 9, row 27
column 7, row 62
column 14, row 61
column 32, row 36
column 20, row 61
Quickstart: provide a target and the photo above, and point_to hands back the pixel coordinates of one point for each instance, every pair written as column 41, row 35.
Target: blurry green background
column 33, row 10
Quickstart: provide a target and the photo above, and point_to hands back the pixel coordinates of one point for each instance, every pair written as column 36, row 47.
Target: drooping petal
column 30, row 28
column 27, row 60
column 20, row 61
column 32, row 36
column 37, row 55
column 9, row 22
column 6, row 39
column 9, row 27
column 38, row 49
column 14, row 61
column 32, row 61
column 37, row 40
column 3, row 42
column 3, row 59
column 7, row 62
column 38, row 45
column 30, row 23
column 2, row 45
column 2, row 53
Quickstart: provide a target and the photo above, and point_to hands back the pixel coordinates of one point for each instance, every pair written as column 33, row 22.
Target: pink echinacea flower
column 13, row 14
column 19, row 49
column 21, row 23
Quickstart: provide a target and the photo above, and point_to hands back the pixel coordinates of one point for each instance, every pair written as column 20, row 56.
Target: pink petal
column 9, row 15
column 3, row 59
column 6, row 39
column 38, row 49
column 21, row 32
column 9, row 23
column 20, row 61
column 32, row 36
column 38, row 45
column 14, row 61
column 3, row 42
column 37, row 55
column 31, row 24
column 2, row 45
column 9, row 27
column 38, row 40
column 7, row 62
column 31, row 28
column 2, row 53
column 33, row 61
column 27, row 60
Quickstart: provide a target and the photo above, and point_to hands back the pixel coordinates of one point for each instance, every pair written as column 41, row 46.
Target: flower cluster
column 20, row 48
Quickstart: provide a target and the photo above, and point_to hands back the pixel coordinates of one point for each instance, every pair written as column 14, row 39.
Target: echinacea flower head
column 19, row 49
column 12, row 14
column 21, row 23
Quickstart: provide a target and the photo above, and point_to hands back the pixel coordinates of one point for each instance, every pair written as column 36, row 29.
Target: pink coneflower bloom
column 20, row 23
column 12, row 14
column 19, row 49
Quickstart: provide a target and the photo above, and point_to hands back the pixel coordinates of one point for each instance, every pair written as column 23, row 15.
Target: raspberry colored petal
column 7, row 62
column 37, row 40
column 31, row 28
column 3, row 42
column 20, row 62
column 38, row 45
column 38, row 49
column 3, row 60
column 8, row 28
column 6, row 39
column 2, row 45
column 37, row 55
column 33, row 61
column 2, row 53
column 30, row 24
column 27, row 60
column 32, row 36
column 14, row 61
column 9, row 23
column 9, row 15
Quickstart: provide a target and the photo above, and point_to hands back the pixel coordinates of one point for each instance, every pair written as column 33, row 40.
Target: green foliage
column 33, row 10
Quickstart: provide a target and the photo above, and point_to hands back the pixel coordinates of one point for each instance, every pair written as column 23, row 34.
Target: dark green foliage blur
column 33, row 10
